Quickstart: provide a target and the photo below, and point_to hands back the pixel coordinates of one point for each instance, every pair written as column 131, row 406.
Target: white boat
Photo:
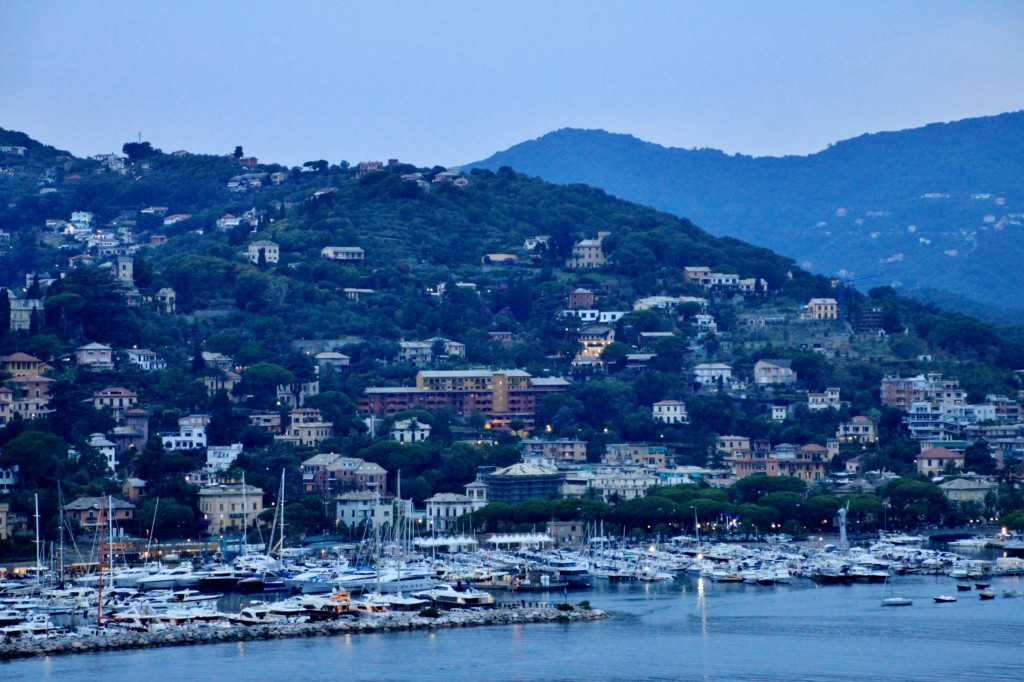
column 945, row 599
column 168, row 579
column 894, row 599
column 897, row 601
column 458, row 596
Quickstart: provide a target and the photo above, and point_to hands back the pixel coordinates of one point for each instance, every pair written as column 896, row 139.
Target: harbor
column 257, row 597
column 687, row 629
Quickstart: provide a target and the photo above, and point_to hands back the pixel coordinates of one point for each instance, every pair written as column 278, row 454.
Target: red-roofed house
column 934, row 460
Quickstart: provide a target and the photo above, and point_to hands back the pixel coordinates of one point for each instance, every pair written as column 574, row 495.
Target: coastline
column 185, row 636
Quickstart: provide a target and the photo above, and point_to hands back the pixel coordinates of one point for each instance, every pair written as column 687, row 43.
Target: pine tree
column 198, row 362
column 35, row 322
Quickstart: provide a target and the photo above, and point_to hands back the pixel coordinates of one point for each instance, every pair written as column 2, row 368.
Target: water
column 683, row 630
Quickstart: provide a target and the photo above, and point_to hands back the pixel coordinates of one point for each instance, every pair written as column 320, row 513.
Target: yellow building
column 230, row 507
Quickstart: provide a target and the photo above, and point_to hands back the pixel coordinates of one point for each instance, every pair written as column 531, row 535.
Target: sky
column 445, row 83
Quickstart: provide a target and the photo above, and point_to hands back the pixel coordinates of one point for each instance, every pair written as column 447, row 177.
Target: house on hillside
column 588, row 253
column 823, row 309
column 934, row 461
column 829, row 400
column 86, row 511
column 347, row 254
column 95, row 357
column 712, row 372
column 270, row 251
column 670, row 412
column 116, row 399
column 23, row 364
column 859, row 429
column 771, row 372
column 410, row 431
column 145, row 360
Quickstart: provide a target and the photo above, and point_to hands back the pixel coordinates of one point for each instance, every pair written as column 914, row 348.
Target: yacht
column 458, row 596
column 179, row 576
column 569, row 571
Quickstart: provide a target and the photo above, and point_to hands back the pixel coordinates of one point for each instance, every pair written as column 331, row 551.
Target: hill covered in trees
column 936, row 211
column 480, row 258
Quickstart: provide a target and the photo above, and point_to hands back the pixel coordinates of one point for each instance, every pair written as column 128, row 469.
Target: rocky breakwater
column 56, row 644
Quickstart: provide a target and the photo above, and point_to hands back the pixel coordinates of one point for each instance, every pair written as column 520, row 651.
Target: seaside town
column 286, row 400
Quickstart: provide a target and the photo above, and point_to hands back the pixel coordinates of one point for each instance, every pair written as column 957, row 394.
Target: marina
column 679, row 580
column 691, row 628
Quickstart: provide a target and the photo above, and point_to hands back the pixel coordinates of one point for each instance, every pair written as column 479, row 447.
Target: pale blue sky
column 454, row 81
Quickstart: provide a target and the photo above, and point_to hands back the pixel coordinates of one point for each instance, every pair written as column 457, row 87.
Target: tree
column 669, row 353
column 614, row 353
column 40, row 457
column 138, row 150
column 915, row 502
column 978, row 458
column 238, row 152
column 198, row 361
column 753, row 488
column 260, row 383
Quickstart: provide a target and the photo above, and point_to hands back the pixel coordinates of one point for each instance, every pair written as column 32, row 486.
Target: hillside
column 222, row 291
column 937, row 208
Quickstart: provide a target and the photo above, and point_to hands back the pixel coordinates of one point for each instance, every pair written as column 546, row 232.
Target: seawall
column 214, row 634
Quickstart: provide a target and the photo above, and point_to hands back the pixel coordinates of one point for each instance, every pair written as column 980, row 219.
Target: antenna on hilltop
column 140, row 137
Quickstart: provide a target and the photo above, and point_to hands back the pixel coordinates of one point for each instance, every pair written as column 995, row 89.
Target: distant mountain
column 938, row 208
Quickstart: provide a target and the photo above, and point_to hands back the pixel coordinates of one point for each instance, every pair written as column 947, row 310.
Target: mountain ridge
column 874, row 205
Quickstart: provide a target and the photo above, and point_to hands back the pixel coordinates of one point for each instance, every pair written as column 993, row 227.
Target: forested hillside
column 936, row 210
column 237, row 274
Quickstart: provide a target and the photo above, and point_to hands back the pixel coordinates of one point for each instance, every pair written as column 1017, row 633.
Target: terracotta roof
column 939, row 453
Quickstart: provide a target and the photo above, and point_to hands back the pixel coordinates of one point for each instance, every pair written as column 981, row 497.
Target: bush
column 585, row 605
column 430, row 612
column 564, row 607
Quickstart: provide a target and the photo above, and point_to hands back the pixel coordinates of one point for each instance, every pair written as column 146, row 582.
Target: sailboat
column 894, row 599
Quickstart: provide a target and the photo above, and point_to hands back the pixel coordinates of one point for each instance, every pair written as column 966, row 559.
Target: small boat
column 897, row 601
column 894, row 599
column 981, row 585
column 945, row 599
column 1012, row 593
column 963, row 587
column 987, row 594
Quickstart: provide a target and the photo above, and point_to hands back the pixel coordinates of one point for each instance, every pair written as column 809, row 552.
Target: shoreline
column 187, row 636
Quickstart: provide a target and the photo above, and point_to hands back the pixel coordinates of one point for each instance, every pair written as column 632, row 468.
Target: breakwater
column 58, row 644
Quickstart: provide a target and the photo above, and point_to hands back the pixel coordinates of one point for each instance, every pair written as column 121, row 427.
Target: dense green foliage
column 415, row 239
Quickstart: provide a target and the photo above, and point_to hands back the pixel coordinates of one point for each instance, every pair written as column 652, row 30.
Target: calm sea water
column 684, row 630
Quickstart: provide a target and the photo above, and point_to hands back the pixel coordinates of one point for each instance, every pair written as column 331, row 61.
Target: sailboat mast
column 110, row 520
column 244, row 546
column 280, row 506
column 152, row 529
column 38, row 561
column 99, row 596
column 60, row 512
column 376, row 533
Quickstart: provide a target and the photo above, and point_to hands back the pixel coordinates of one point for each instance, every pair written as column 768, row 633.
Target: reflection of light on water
column 241, row 648
column 432, row 639
column 517, row 632
column 702, row 607
column 348, row 640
